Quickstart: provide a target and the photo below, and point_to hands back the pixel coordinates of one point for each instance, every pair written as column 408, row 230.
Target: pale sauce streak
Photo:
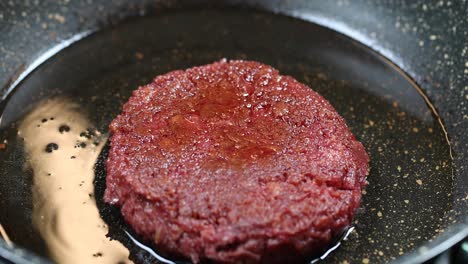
column 64, row 208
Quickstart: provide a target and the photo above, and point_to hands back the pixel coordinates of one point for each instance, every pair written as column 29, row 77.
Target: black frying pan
column 397, row 72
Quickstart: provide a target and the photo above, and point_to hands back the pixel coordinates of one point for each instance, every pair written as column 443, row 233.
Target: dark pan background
column 427, row 39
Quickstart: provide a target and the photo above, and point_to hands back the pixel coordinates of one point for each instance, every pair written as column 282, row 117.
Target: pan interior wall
column 410, row 183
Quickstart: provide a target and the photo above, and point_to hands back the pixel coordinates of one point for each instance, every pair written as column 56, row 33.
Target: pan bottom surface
column 54, row 129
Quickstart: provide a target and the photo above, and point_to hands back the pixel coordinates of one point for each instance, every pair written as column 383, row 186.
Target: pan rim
column 454, row 234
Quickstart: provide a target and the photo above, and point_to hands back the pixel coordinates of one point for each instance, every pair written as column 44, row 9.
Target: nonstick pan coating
column 408, row 202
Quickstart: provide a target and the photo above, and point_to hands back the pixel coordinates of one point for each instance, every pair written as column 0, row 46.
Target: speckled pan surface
column 427, row 39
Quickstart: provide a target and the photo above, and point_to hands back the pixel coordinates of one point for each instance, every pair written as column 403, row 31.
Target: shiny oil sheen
column 85, row 85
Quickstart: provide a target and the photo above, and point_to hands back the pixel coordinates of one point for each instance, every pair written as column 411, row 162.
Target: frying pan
column 396, row 70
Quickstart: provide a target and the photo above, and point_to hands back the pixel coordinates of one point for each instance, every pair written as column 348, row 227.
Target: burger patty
column 232, row 162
